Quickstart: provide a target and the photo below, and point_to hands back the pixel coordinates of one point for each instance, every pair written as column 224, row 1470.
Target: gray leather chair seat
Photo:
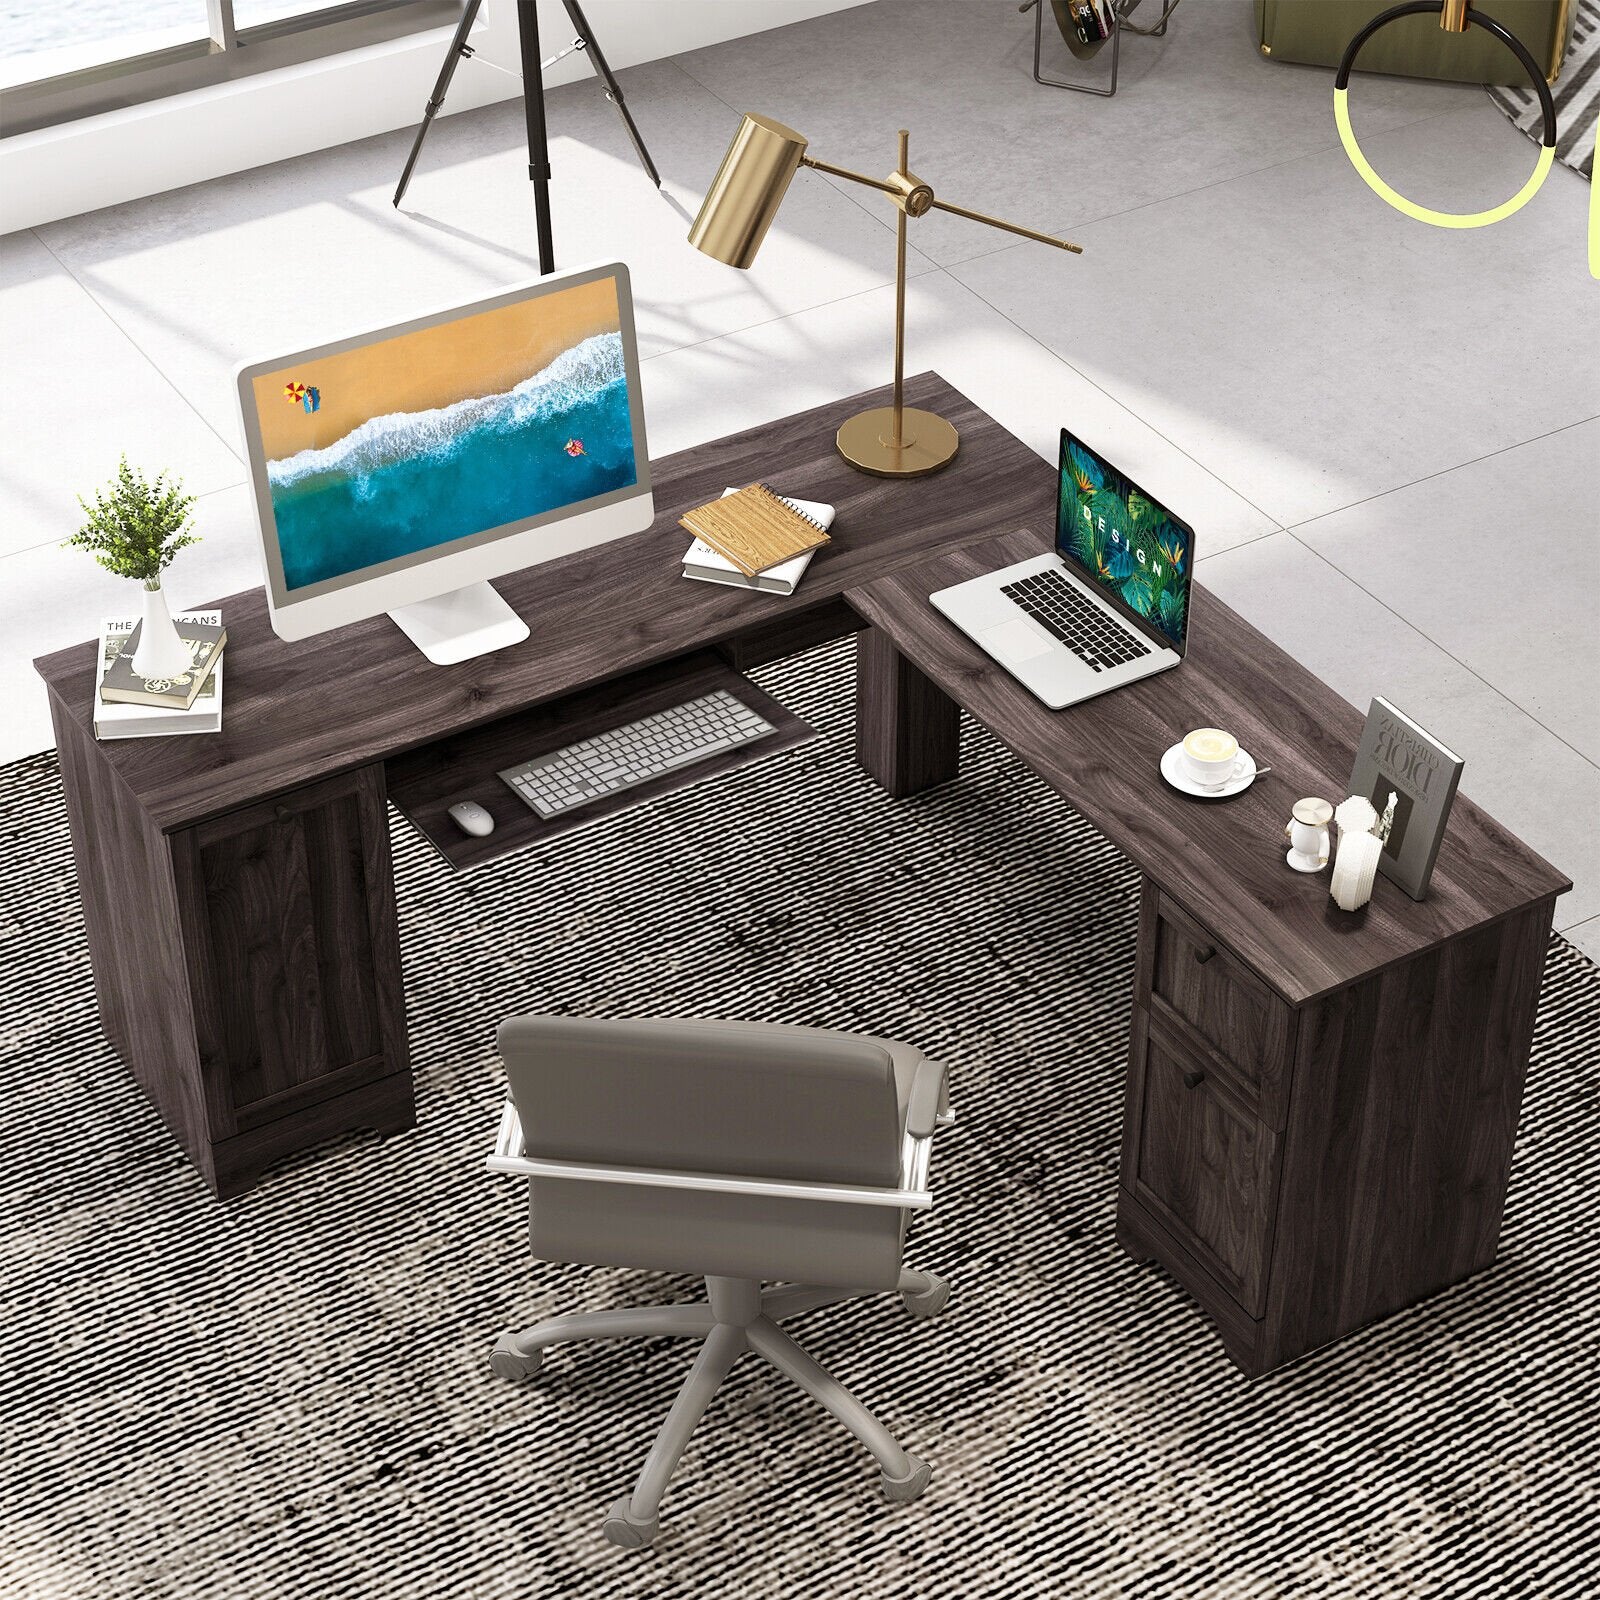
column 748, row 1153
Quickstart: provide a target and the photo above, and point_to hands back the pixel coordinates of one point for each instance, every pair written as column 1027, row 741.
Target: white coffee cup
column 1210, row 756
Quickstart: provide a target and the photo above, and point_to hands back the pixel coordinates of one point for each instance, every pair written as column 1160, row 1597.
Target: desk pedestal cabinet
column 248, row 967
column 1303, row 1171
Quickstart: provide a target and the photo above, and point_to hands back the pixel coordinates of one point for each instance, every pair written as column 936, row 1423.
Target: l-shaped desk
column 1320, row 1107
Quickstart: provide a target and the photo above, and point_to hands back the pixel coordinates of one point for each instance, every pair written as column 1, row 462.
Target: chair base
column 736, row 1316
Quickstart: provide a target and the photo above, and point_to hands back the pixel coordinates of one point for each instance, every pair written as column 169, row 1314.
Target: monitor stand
column 457, row 626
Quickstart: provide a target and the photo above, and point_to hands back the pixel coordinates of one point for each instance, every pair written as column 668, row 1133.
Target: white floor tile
column 1587, row 938
column 1525, row 777
column 1191, row 109
column 271, row 261
column 1498, row 562
column 1312, row 346
column 77, row 395
column 735, row 382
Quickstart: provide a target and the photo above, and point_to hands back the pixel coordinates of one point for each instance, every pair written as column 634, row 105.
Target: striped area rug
column 287, row 1397
column 1576, row 93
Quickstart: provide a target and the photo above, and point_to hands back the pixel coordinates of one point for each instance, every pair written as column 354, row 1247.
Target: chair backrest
column 800, row 1103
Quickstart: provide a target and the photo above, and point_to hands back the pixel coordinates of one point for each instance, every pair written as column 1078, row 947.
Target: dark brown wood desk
column 1345, row 1142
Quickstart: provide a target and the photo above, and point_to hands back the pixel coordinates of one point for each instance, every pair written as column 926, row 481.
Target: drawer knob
column 1205, row 953
column 1193, row 1080
column 283, row 813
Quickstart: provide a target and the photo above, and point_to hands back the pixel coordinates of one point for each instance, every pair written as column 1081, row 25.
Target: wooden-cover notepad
column 754, row 529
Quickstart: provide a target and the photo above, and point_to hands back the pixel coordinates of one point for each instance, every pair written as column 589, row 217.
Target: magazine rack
column 1121, row 10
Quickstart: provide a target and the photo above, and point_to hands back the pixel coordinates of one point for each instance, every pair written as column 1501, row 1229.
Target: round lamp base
column 927, row 442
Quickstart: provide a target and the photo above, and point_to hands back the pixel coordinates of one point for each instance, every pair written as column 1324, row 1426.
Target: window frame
column 227, row 55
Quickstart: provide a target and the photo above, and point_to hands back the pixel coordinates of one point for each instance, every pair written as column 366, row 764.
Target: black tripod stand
column 533, row 70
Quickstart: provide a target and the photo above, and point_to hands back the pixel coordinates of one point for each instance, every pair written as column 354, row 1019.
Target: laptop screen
column 1128, row 545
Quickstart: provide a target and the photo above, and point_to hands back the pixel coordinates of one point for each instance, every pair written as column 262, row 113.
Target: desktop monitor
column 399, row 470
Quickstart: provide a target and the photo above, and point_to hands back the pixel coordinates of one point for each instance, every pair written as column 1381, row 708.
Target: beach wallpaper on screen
column 416, row 441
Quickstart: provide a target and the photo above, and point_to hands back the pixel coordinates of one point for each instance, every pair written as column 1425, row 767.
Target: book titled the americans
column 121, row 685
column 120, row 720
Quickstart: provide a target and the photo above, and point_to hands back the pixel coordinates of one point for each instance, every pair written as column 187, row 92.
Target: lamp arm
column 854, row 177
column 1008, row 227
column 898, row 195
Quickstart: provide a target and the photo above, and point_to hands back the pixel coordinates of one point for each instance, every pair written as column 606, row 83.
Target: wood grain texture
column 135, row 935
column 908, row 731
column 383, row 1105
column 294, row 973
column 1197, row 990
column 1201, row 1164
column 1222, row 861
column 1143, row 1237
column 1407, row 1091
column 425, row 783
column 789, row 635
column 293, row 967
column 297, row 713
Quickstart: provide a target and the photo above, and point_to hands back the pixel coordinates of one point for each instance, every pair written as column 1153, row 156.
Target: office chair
column 746, row 1153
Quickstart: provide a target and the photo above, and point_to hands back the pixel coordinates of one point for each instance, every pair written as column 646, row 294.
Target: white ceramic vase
column 161, row 653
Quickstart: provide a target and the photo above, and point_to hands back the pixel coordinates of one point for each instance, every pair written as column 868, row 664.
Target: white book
column 113, row 720
column 711, row 566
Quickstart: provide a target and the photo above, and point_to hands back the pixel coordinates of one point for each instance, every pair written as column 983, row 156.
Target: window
column 67, row 61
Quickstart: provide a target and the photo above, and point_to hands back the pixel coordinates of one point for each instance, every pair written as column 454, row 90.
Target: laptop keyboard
column 1056, row 603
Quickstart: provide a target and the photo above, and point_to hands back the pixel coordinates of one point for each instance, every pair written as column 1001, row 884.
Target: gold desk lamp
column 895, row 441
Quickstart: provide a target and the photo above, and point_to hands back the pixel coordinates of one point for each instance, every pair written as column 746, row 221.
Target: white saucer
column 1244, row 774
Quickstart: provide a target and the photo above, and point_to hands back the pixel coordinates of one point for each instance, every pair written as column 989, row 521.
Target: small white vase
column 161, row 653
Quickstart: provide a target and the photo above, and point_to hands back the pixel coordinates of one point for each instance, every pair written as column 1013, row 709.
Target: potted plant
column 135, row 527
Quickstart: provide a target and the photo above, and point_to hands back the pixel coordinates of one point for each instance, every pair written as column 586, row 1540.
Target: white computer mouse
column 471, row 818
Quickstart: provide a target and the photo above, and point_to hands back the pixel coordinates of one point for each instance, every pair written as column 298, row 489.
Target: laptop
column 1109, row 607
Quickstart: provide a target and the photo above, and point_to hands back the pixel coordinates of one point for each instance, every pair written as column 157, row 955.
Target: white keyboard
column 635, row 753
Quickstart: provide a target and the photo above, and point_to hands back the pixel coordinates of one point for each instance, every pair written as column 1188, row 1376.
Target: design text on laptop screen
column 1125, row 542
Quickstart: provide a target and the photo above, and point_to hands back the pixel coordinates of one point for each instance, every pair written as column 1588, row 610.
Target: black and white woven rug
column 288, row 1398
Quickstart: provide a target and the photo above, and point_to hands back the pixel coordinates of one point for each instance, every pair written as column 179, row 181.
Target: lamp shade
column 748, row 189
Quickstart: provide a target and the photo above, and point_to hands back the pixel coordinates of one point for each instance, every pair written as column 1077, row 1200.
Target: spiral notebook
column 755, row 529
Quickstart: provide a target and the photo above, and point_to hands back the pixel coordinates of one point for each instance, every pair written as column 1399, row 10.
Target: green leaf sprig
column 136, row 525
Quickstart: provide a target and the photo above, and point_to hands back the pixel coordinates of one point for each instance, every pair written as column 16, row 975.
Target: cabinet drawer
column 1202, row 1164
column 1189, row 981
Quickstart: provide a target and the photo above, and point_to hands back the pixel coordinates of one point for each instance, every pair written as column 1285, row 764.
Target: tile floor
column 1387, row 436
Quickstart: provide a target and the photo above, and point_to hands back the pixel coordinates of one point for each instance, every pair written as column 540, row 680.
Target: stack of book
column 755, row 539
column 127, row 706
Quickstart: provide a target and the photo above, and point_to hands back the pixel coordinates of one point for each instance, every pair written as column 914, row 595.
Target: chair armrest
column 928, row 1108
column 510, row 1157
column 508, row 1140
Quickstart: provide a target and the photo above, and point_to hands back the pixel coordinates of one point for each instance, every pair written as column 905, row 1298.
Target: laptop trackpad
column 1017, row 641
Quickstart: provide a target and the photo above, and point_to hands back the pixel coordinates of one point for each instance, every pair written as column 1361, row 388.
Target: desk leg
column 908, row 731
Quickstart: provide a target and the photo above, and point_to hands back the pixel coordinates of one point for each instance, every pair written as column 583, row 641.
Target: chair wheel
column 907, row 1488
column 621, row 1529
column 930, row 1302
column 511, row 1366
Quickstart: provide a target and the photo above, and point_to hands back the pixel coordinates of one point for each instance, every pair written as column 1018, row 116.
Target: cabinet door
column 1201, row 1163
column 294, row 958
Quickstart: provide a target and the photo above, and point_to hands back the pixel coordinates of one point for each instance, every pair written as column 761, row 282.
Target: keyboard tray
column 425, row 783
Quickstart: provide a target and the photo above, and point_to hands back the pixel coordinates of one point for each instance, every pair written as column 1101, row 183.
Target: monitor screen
column 385, row 452
column 1129, row 545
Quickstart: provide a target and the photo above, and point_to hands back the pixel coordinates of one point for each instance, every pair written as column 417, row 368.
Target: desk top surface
column 295, row 713
column 1223, row 860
